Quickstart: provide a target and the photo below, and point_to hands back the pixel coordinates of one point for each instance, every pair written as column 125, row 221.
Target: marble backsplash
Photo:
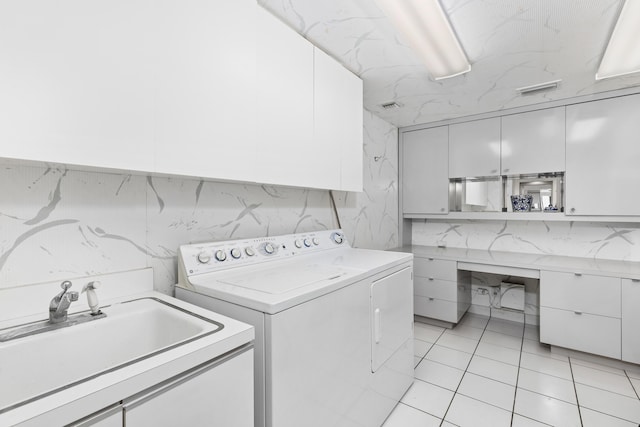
column 57, row 223
column 617, row 241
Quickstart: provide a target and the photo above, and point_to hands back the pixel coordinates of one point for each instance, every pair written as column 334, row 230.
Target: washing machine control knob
column 316, row 241
column 307, row 243
column 203, row 257
column 337, row 238
column 220, row 255
column 269, row 248
column 235, row 253
column 298, row 244
column 249, row 251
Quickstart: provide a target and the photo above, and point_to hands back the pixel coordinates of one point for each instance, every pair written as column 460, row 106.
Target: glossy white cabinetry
column 220, row 394
column 581, row 312
column 112, row 417
column 285, row 104
column 533, row 142
column 630, row 320
column 338, row 126
column 205, row 82
column 441, row 292
column 474, row 148
column 425, row 175
column 603, row 157
column 219, row 90
column 77, row 82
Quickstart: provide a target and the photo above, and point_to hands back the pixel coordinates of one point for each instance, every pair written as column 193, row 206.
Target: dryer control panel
column 203, row 258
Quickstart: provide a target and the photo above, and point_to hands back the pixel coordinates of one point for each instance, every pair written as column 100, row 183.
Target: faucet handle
column 65, row 285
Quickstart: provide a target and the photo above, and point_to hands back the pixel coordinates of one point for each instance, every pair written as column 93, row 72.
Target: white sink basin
column 41, row 364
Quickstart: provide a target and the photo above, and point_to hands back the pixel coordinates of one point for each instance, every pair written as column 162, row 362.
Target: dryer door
column 391, row 315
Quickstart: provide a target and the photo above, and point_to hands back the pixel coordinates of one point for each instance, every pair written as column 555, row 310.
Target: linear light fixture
column 622, row 55
column 426, row 28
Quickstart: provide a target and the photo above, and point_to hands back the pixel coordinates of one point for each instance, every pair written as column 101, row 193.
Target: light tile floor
column 491, row 372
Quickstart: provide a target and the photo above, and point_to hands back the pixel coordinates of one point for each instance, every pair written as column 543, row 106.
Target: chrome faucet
column 60, row 303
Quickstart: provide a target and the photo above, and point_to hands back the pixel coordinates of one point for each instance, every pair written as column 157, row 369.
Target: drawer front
column 585, row 293
column 435, row 288
column 584, row 332
column 447, row 311
column 436, row 268
column 630, row 320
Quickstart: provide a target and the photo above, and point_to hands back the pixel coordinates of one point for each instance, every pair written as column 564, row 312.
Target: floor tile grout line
column 464, row 373
column 515, row 390
column 631, row 382
column 576, row 391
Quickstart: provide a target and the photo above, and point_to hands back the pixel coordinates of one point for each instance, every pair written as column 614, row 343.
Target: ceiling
column 510, row 44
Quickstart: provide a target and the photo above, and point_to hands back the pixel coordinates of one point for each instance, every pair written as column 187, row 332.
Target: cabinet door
column 603, row 157
column 630, row 320
column 338, row 121
column 284, row 104
column 474, row 148
column 205, row 105
column 112, row 417
column 425, row 180
column 218, row 396
column 533, row 142
column 75, row 82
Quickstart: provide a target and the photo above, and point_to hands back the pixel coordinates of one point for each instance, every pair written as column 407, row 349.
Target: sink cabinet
column 425, row 180
column 218, row 393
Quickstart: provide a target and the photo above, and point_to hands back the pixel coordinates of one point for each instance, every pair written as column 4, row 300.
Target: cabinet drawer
column 447, row 311
column 585, row 293
column 435, row 288
column 584, row 332
column 436, row 268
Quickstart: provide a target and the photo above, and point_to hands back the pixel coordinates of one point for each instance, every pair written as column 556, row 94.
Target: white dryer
column 334, row 324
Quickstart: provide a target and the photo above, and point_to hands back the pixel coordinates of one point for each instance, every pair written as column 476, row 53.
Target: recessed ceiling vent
column 540, row 87
column 391, row 106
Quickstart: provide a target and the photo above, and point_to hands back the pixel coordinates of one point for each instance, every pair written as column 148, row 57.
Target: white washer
column 334, row 324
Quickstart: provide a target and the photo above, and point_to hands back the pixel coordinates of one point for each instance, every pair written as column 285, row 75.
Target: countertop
column 602, row 267
column 93, row 395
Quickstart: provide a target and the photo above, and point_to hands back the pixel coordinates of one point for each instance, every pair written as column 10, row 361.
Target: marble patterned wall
column 618, row 241
column 57, row 223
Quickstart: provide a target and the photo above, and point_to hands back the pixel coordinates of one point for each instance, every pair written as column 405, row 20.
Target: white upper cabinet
column 338, row 126
column 284, row 103
column 533, row 142
column 425, row 175
column 206, row 86
column 76, row 82
column 474, row 148
column 220, row 90
column 603, row 157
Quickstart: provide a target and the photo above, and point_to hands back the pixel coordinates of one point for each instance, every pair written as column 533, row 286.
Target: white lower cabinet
column 581, row 312
column 441, row 292
column 219, row 393
column 630, row 320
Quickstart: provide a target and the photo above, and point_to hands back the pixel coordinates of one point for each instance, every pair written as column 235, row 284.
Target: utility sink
column 38, row 365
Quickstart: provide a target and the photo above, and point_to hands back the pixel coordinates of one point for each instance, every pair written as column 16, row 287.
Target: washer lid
column 278, row 280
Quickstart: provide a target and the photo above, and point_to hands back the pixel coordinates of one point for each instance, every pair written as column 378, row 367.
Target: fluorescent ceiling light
column 427, row 29
column 622, row 55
